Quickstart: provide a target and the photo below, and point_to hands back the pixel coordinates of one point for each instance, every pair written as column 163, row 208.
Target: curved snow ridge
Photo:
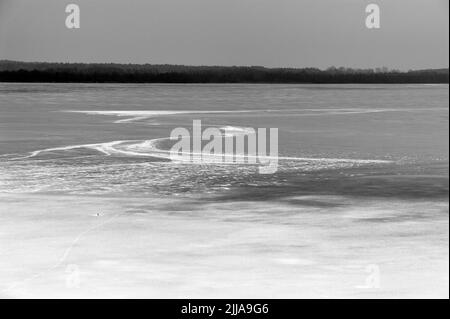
column 149, row 148
column 132, row 116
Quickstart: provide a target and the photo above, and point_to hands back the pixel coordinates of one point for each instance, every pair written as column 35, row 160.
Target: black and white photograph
column 224, row 150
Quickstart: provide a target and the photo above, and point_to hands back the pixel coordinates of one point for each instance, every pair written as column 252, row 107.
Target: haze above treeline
column 15, row 71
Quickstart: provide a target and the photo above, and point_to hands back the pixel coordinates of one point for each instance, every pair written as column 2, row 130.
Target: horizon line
column 235, row 66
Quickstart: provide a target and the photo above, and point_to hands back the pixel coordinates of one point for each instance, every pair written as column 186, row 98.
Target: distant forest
column 11, row 71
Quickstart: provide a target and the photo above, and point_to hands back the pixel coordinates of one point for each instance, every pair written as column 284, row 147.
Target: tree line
column 12, row 71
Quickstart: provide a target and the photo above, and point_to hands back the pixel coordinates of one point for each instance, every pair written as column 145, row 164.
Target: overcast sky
column 288, row 33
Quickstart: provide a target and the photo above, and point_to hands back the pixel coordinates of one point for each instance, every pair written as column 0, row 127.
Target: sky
column 273, row 33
